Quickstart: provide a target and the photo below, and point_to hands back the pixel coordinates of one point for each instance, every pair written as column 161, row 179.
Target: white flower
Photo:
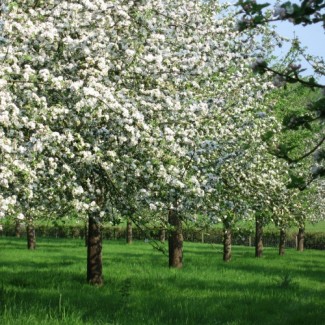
column 130, row 52
column 78, row 190
column 20, row 216
column 279, row 12
column 152, row 207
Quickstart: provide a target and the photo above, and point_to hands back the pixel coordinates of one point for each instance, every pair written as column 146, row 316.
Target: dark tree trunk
column 301, row 239
column 129, row 232
column 162, row 235
column 17, row 229
column 227, row 244
column 258, row 237
column 94, row 252
column 31, row 237
column 175, row 240
column 86, row 234
column 282, row 242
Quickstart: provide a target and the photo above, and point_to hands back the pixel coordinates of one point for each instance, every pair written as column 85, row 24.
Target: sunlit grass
column 47, row 286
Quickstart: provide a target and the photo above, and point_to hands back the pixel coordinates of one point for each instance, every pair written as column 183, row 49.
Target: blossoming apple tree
column 122, row 98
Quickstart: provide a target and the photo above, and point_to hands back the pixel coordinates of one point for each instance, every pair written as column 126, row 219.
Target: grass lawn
column 47, row 286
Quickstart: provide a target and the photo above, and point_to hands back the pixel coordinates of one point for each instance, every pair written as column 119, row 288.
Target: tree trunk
column 301, row 239
column 129, row 232
column 258, row 238
column 175, row 240
column 162, row 235
column 17, row 229
column 94, row 252
column 227, row 244
column 31, row 237
column 86, row 234
column 282, row 242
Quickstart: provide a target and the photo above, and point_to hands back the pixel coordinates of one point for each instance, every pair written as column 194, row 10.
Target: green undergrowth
column 48, row 286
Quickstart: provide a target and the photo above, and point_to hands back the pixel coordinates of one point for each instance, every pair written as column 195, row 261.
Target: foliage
column 289, row 70
column 315, row 240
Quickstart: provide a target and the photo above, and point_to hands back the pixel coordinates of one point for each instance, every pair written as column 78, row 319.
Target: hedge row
column 215, row 236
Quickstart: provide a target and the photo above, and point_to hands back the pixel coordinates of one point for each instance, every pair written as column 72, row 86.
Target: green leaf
column 296, row 181
column 267, row 136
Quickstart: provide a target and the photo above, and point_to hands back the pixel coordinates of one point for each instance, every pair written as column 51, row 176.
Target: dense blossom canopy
column 128, row 104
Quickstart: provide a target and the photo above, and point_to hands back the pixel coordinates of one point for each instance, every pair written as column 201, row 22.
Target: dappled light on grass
column 48, row 286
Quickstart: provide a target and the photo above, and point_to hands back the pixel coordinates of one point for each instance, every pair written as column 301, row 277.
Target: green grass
column 47, row 286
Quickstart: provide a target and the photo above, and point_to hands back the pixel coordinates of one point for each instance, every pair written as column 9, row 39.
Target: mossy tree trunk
column 258, row 237
column 282, row 242
column 31, row 236
column 301, row 239
column 94, row 251
column 175, row 240
column 129, row 231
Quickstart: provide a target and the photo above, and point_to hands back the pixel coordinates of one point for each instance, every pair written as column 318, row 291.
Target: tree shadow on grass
column 142, row 290
column 172, row 296
column 170, row 300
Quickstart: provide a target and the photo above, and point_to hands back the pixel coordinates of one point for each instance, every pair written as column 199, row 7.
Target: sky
column 311, row 36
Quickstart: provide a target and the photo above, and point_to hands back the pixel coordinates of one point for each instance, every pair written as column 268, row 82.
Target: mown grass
column 47, row 286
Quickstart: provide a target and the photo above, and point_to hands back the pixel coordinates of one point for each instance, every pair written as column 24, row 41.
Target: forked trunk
column 175, row 240
column 258, row 238
column 94, row 252
column 31, row 237
column 226, row 244
column 301, row 239
column 129, row 232
column 282, row 242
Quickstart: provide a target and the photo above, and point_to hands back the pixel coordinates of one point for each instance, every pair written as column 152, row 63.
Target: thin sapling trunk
column 258, row 237
column 129, row 231
column 282, row 242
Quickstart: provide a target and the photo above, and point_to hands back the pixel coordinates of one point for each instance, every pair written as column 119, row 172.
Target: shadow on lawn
column 174, row 298
column 132, row 295
column 294, row 267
